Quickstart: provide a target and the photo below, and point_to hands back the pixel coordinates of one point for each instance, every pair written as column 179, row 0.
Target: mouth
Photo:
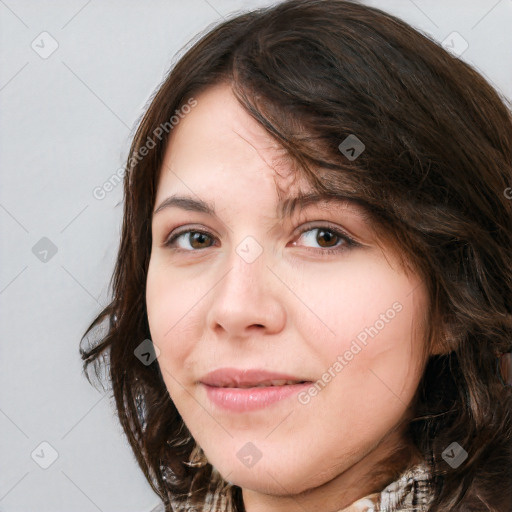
column 249, row 378
column 264, row 384
column 235, row 390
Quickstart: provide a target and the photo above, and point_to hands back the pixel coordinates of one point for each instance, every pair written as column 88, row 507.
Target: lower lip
column 251, row 399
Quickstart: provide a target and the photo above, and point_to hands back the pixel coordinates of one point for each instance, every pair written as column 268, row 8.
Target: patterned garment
column 410, row 492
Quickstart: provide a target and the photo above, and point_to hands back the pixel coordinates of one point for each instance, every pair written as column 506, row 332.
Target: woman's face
column 281, row 295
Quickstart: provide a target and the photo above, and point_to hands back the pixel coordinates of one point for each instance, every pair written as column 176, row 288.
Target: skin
column 291, row 310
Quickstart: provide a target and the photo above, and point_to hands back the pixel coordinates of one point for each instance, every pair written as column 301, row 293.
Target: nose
column 248, row 300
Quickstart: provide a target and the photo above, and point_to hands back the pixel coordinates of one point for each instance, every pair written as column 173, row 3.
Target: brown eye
column 329, row 237
column 328, row 240
column 195, row 239
column 199, row 238
column 325, row 237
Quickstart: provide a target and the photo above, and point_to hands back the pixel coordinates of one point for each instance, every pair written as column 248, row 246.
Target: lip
column 236, row 399
column 223, row 377
column 251, row 399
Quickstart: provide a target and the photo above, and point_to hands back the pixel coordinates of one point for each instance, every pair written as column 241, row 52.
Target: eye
column 330, row 240
column 196, row 241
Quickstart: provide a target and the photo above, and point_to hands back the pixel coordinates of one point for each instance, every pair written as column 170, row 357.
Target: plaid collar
column 410, row 492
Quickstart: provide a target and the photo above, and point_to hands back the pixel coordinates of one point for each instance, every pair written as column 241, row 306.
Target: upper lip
column 234, row 377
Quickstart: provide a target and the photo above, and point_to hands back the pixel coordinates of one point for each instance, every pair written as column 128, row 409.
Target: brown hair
column 437, row 160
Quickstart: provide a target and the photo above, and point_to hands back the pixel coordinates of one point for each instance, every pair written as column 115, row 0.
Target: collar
column 410, row 492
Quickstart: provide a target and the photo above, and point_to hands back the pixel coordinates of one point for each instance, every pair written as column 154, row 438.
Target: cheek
column 170, row 305
column 371, row 337
column 171, row 308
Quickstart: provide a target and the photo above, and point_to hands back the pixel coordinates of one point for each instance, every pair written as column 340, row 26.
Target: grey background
column 66, row 123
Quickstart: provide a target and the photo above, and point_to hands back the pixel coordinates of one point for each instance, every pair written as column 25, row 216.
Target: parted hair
column 436, row 165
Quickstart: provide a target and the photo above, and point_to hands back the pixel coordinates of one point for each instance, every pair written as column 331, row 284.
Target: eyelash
column 349, row 242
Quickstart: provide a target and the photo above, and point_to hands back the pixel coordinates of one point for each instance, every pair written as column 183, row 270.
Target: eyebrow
column 286, row 207
column 186, row 203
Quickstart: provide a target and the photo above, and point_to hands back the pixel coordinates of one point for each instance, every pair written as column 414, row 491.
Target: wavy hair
column 435, row 170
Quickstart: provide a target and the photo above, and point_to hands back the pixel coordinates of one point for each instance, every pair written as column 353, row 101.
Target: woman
column 257, row 372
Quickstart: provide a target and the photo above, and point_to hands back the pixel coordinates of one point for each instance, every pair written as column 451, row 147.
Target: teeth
column 267, row 384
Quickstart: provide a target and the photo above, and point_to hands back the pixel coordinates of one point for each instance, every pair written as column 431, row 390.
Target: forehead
column 218, row 140
column 219, row 151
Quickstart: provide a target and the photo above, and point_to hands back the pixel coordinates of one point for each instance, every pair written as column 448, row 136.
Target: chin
column 267, row 478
